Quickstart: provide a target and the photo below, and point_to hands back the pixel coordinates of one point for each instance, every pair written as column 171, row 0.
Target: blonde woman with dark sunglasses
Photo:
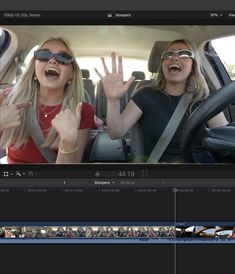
column 50, row 94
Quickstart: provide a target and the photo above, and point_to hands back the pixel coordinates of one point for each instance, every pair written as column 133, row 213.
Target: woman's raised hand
column 67, row 123
column 11, row 115
column 113, row 83
column 4, row 93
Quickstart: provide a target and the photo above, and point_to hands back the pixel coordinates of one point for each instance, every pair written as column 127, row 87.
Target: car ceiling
column 129, row 41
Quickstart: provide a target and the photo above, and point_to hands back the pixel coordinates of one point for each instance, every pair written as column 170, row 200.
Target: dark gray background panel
column 118, row 5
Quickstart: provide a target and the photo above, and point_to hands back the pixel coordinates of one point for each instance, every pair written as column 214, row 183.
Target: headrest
column 85, row 73
column 155, row 55
column 139, row 75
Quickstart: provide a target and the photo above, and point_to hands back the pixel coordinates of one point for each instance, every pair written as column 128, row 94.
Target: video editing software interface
column 109, row 214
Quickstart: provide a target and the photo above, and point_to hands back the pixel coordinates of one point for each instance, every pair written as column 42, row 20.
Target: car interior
column 141, row 43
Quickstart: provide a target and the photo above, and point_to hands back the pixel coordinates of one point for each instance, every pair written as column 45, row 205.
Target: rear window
column 129, row 65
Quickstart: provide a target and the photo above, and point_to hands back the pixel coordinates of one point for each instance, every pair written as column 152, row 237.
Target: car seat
column 88, row 86
column 136, row 139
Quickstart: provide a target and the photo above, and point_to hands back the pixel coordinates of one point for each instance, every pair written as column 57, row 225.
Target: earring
column 69, row 82
column 35, row 78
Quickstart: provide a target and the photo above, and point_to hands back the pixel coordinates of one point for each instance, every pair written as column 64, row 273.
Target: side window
column 28, row 58
column 4, row 41
column 21, row 66
column 224, row 47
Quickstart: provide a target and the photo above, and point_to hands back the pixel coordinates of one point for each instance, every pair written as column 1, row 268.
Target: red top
column 29, row 153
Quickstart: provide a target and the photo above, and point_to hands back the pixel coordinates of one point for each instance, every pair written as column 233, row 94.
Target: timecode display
column 116, row 174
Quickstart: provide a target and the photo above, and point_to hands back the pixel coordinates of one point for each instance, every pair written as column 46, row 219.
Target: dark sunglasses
column 182, row 53
column 45, row 55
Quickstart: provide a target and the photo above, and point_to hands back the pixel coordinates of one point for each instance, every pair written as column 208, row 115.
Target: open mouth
column 174, row 68
column 52, row 73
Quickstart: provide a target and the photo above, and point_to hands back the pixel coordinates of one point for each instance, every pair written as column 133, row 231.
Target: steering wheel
column 213, row 105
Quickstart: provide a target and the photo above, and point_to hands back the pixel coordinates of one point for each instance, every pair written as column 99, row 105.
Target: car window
column 28, row 58
column 224, row 47
column 4, row 41
column 130, row 64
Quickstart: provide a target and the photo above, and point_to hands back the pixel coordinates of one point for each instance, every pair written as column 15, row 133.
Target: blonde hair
column 196, row 82
column 26, row 90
